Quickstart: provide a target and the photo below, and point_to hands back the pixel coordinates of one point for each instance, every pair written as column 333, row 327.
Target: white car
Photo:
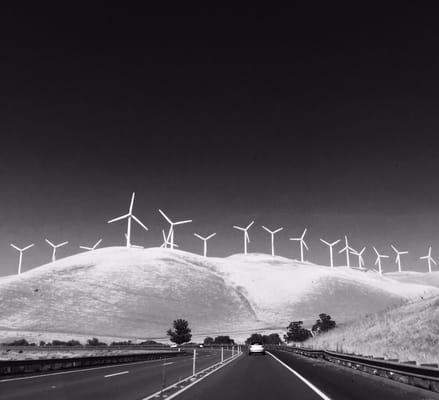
column 256, row 348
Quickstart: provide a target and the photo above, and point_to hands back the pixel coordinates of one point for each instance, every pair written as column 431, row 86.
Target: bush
column 19, row 342
column 181, row 333
column 273, row 338
column 208, row 341
column 296, row 333
column 323, row 324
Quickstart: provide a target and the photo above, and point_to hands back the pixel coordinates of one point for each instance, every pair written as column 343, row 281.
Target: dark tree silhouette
column 296, row 333
column 181, row 333
column 323, row 324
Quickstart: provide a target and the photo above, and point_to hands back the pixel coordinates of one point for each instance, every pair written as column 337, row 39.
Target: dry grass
column 409, row 331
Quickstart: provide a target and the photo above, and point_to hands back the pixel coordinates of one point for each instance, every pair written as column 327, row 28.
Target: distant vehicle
column 173, row 346
column 256, row 348
column 200, row 346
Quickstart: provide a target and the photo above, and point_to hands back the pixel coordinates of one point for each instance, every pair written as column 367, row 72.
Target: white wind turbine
column 166, row 241
column 302, row 244
column 93, row 247
column 55, row 246
column 129, row 216
column 170, row 237
column 205, row 239
column 330, row 245
column 378, row 260
column 346, row 249
column 398, row 256
column 20, row 259
column 359, row 254
column 272, row 233
column 246, row 237
column 429, row 259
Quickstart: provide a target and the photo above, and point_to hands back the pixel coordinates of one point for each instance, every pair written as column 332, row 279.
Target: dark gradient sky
column 319, row 118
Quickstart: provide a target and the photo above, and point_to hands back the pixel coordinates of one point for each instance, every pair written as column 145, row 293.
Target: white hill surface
column 136, row 293
column 421, row 278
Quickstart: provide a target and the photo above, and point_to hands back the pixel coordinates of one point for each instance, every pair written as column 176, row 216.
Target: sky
column 325, row 119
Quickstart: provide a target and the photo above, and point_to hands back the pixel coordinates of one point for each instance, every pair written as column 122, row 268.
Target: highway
column 277, row 376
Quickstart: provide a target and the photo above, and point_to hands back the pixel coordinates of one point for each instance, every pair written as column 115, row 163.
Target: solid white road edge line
column 304, row 380
column 169, row 363
column 117, row 373
column 154, row 395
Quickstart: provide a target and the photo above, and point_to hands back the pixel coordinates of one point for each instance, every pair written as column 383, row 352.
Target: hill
column 408, row 332
column 136, row 293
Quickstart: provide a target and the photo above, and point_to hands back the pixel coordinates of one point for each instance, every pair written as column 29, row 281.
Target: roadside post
column 194, row 362
column 222, row 354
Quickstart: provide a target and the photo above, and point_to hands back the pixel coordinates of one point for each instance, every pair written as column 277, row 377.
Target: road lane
column 142, row 379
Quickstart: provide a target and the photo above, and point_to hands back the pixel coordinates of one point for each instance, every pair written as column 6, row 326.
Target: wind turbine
column 170, row 237
column 205, row 239
column 398, row 256
column 378, row 260
column 21, row 254
column 429, row 259
column 272, row 233
column 93, row 247
column 302, row 243
column 55, row 246
column 129, row 216
column 346, row 249
column 246, row 237
column 330, row 245
column 166, row 241
column 359, row 254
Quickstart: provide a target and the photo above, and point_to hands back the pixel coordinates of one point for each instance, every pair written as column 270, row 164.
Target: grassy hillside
column 136, row 293
column 409, row 331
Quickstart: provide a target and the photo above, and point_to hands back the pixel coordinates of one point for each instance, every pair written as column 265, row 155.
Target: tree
column 255, row 338
column 296, row 333
column 273, row 338
column 208, row 341
column 181, row 333
column 227, row 340
column 323, row 324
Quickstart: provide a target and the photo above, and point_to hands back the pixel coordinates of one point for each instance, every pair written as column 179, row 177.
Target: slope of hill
column 408, row 332
column 420, row 278
column 136, row 293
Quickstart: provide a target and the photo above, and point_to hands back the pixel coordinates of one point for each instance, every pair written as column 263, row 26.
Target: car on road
column 256, row 348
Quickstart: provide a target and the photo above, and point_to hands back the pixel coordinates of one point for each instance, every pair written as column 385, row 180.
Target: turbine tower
column 246, row 237
column 359, row 254
column 378, row 260
column 55, row 246
column 166, row 241
column 205, row 239
column 346, row 249
column 302, row 244
column 398, row 256
column 170, row 237
column 129, row 216
column 93, row 247
column 330, row 245
column 20, row 259
column 429, row 259
column 272, row 233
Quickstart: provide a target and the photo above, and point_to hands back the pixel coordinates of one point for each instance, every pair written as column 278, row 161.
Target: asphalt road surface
column 264, row 377
column 125, row 381
column 283, row 376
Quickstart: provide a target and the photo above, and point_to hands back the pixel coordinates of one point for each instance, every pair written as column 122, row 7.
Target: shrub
column 181, row 333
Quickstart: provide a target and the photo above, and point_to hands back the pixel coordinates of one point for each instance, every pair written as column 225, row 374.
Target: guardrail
column 419, row 376
column 11, row 367
column 5, row 347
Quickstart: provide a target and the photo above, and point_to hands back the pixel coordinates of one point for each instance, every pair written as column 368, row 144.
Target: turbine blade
column 165, row 216
column 324, row 241
column 28, row 247
column 198, row 236
column 97, row 243
column 211, row 236
column 15, row 247
column 139, row 222
column 249, row 225
column 304, row 243
column 278, row 230
column 62, row 244
column 394, row 249
column 304, row 233
column 433, row 260
column 49, row 242
column 132, row 203
column 119, row 218
column 85, row 248
column 268, row 230
column 183, row 222
column 238, row 227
